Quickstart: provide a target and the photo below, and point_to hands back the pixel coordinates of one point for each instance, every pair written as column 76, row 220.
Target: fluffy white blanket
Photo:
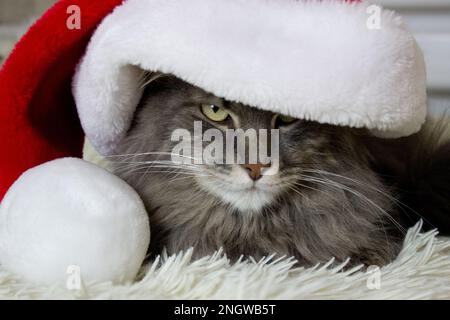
column 421, row 271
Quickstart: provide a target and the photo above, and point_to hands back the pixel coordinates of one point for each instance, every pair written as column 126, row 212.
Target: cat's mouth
column 245, row 197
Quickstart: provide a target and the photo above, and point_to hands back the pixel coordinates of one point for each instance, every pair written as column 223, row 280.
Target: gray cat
column 337, row 192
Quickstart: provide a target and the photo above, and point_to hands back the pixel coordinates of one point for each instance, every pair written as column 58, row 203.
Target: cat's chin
column 246, row 198
column 250, row 200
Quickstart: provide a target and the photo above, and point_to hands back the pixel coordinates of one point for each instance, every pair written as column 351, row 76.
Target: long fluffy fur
column 331, row 203
column 342, row 192
column 419, row 169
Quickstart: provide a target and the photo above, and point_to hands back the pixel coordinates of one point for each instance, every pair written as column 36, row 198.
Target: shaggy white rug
column 421, row 271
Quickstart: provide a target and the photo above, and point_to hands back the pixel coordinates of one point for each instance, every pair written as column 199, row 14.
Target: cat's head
column 171, row 106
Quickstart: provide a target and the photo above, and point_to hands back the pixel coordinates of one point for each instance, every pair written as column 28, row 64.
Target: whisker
column 170, row 172
column 397, row 202
column 159, row 153
column 338, row 185
column 155, row 163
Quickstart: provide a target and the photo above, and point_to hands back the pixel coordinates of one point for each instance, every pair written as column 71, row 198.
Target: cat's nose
column 255, row 170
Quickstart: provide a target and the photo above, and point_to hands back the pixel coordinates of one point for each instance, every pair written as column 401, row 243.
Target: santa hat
column 318, row 60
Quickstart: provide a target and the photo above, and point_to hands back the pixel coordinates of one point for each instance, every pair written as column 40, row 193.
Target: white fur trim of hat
column 315, row 60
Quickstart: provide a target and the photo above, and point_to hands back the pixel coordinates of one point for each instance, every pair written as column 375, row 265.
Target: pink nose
column 255, row 170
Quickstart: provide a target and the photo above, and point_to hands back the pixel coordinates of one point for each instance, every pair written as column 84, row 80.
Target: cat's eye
column 214, row 112
column 282, row 119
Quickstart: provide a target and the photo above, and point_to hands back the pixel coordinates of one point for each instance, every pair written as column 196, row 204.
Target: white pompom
column 69, row 215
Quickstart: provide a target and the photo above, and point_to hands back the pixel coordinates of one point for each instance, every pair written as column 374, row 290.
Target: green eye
column 285, row 119
column 214, row 112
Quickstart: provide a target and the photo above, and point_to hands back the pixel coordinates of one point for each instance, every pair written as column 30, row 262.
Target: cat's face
column 170, row 104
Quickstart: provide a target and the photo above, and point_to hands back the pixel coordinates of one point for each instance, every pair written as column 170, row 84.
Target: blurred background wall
column 15, row 17
column 429, row 20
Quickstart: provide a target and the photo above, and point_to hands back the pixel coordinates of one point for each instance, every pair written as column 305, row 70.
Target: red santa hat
column 317, row 60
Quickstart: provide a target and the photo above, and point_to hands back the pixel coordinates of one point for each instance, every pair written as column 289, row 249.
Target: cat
column 336, row 192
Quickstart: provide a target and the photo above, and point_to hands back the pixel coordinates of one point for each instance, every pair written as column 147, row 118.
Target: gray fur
column 330, row 202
